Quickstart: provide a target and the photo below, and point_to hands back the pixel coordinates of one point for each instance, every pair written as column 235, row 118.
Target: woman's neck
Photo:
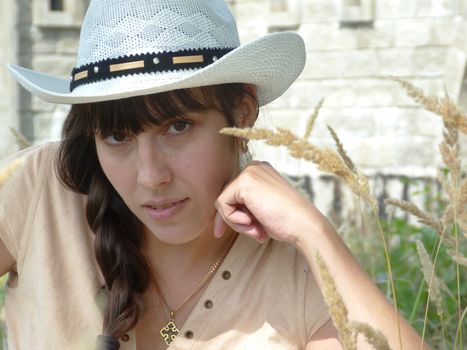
column 173, row 262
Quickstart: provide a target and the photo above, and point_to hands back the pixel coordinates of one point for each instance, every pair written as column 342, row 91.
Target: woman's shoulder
column 31, row 162
column 37, row 151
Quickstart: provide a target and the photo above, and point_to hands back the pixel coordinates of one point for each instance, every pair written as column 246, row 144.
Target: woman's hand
column 260, row 203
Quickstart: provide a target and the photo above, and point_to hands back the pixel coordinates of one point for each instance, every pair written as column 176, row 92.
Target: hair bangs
column 135, row 114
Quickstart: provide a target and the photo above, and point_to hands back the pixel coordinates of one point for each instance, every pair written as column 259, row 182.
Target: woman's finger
column 219, row 225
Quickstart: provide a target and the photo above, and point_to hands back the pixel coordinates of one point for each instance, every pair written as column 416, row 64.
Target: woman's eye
column 116, row 139
column 178, row 127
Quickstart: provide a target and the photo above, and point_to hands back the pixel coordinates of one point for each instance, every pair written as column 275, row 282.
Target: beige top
column 262, row 296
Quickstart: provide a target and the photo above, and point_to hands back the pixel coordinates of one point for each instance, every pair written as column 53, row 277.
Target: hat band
column 145, row 63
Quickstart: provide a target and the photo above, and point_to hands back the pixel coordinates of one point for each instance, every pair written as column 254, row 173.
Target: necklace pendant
column 169, row 331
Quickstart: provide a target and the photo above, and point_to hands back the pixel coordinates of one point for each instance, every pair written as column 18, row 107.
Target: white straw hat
column 138, row 47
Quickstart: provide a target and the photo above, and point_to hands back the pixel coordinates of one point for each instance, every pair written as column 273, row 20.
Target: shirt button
column 226, row 275
column 189, row 334
column 208, row 304
column 125, row 337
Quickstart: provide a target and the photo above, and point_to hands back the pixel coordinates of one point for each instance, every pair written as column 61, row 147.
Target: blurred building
column 352, row 46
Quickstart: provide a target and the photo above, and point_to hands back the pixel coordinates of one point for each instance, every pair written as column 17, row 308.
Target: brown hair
column 118, row 232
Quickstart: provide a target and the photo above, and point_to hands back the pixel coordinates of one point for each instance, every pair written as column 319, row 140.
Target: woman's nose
column 153, row 167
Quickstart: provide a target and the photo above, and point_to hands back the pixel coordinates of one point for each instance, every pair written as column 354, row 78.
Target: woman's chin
column 176, row 236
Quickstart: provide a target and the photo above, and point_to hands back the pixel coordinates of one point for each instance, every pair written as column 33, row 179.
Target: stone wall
column 352, row 45
column 348, row 60
column 8, row 87
column 351, row 50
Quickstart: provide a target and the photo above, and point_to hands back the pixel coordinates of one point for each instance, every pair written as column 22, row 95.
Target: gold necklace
column 170, row 330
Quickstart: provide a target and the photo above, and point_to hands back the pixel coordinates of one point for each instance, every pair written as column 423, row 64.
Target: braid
column 117, row 247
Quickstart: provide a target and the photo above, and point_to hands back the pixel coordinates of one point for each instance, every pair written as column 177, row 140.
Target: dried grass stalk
column 458, row 258
column 336, row 306
column 452, row 183
column 422, row 217
column 348, row 330
column 434, row 284
column 326, row 160
column 463, row 195
column 7, row 171
column 20, row 139
column 342, row 152
column 312, row 120
column 444, row 107
column 373, row 336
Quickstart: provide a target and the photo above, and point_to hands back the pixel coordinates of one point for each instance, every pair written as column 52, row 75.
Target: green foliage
column 411, row 289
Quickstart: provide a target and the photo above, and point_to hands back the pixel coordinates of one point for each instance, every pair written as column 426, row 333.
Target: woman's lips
column 164, row 211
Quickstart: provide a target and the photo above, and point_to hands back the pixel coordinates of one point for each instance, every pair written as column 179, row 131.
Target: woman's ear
column 247, row 110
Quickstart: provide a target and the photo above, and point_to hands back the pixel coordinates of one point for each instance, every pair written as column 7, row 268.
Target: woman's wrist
column 316, row 235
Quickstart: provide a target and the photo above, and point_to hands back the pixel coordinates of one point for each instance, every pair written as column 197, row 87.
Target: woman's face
column 170, row 175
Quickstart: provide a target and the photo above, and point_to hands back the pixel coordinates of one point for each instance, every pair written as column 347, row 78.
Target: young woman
column 143, row 227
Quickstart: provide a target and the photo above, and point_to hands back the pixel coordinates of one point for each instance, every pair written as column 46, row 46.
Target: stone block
column 413, row 32
column 293, row 120
column 438, row 8
column 427, row 31
column 67, row 42
column 348, row 123
column 58, row 65
column 278, row 157
column 248, row 34
column 350, row 93
column 320, row 10
column 395, row 9
column 38, row 105
column 454, row 67
column 341, row 64
column 48, row 126
column 381, row 35
column 406, row 122
column 413, row 61
column 418, row 151
column 7, row 143
column 251, row 13
column 448, row 31
column 364, row 63
column 43, row 41
column 413, row 9
column 372, row 152
column 326, row 36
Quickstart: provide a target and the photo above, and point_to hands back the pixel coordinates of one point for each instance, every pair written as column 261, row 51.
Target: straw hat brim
column 271, row 63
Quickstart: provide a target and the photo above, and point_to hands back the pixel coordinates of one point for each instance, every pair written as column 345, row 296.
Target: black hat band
column 145, row 63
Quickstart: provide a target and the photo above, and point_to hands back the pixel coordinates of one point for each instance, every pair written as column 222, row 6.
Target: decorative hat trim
column 145, row 63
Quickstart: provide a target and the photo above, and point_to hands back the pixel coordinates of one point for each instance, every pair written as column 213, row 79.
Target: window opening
column 56, row 5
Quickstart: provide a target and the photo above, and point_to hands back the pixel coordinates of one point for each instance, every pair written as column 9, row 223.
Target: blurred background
column 352, row 46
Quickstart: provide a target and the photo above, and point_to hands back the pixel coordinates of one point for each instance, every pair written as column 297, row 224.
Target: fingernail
column 219, row 225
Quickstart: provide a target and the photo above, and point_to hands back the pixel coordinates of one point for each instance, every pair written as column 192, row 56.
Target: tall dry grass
column 348, row 330
column 337, row 163
column 451, row 225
